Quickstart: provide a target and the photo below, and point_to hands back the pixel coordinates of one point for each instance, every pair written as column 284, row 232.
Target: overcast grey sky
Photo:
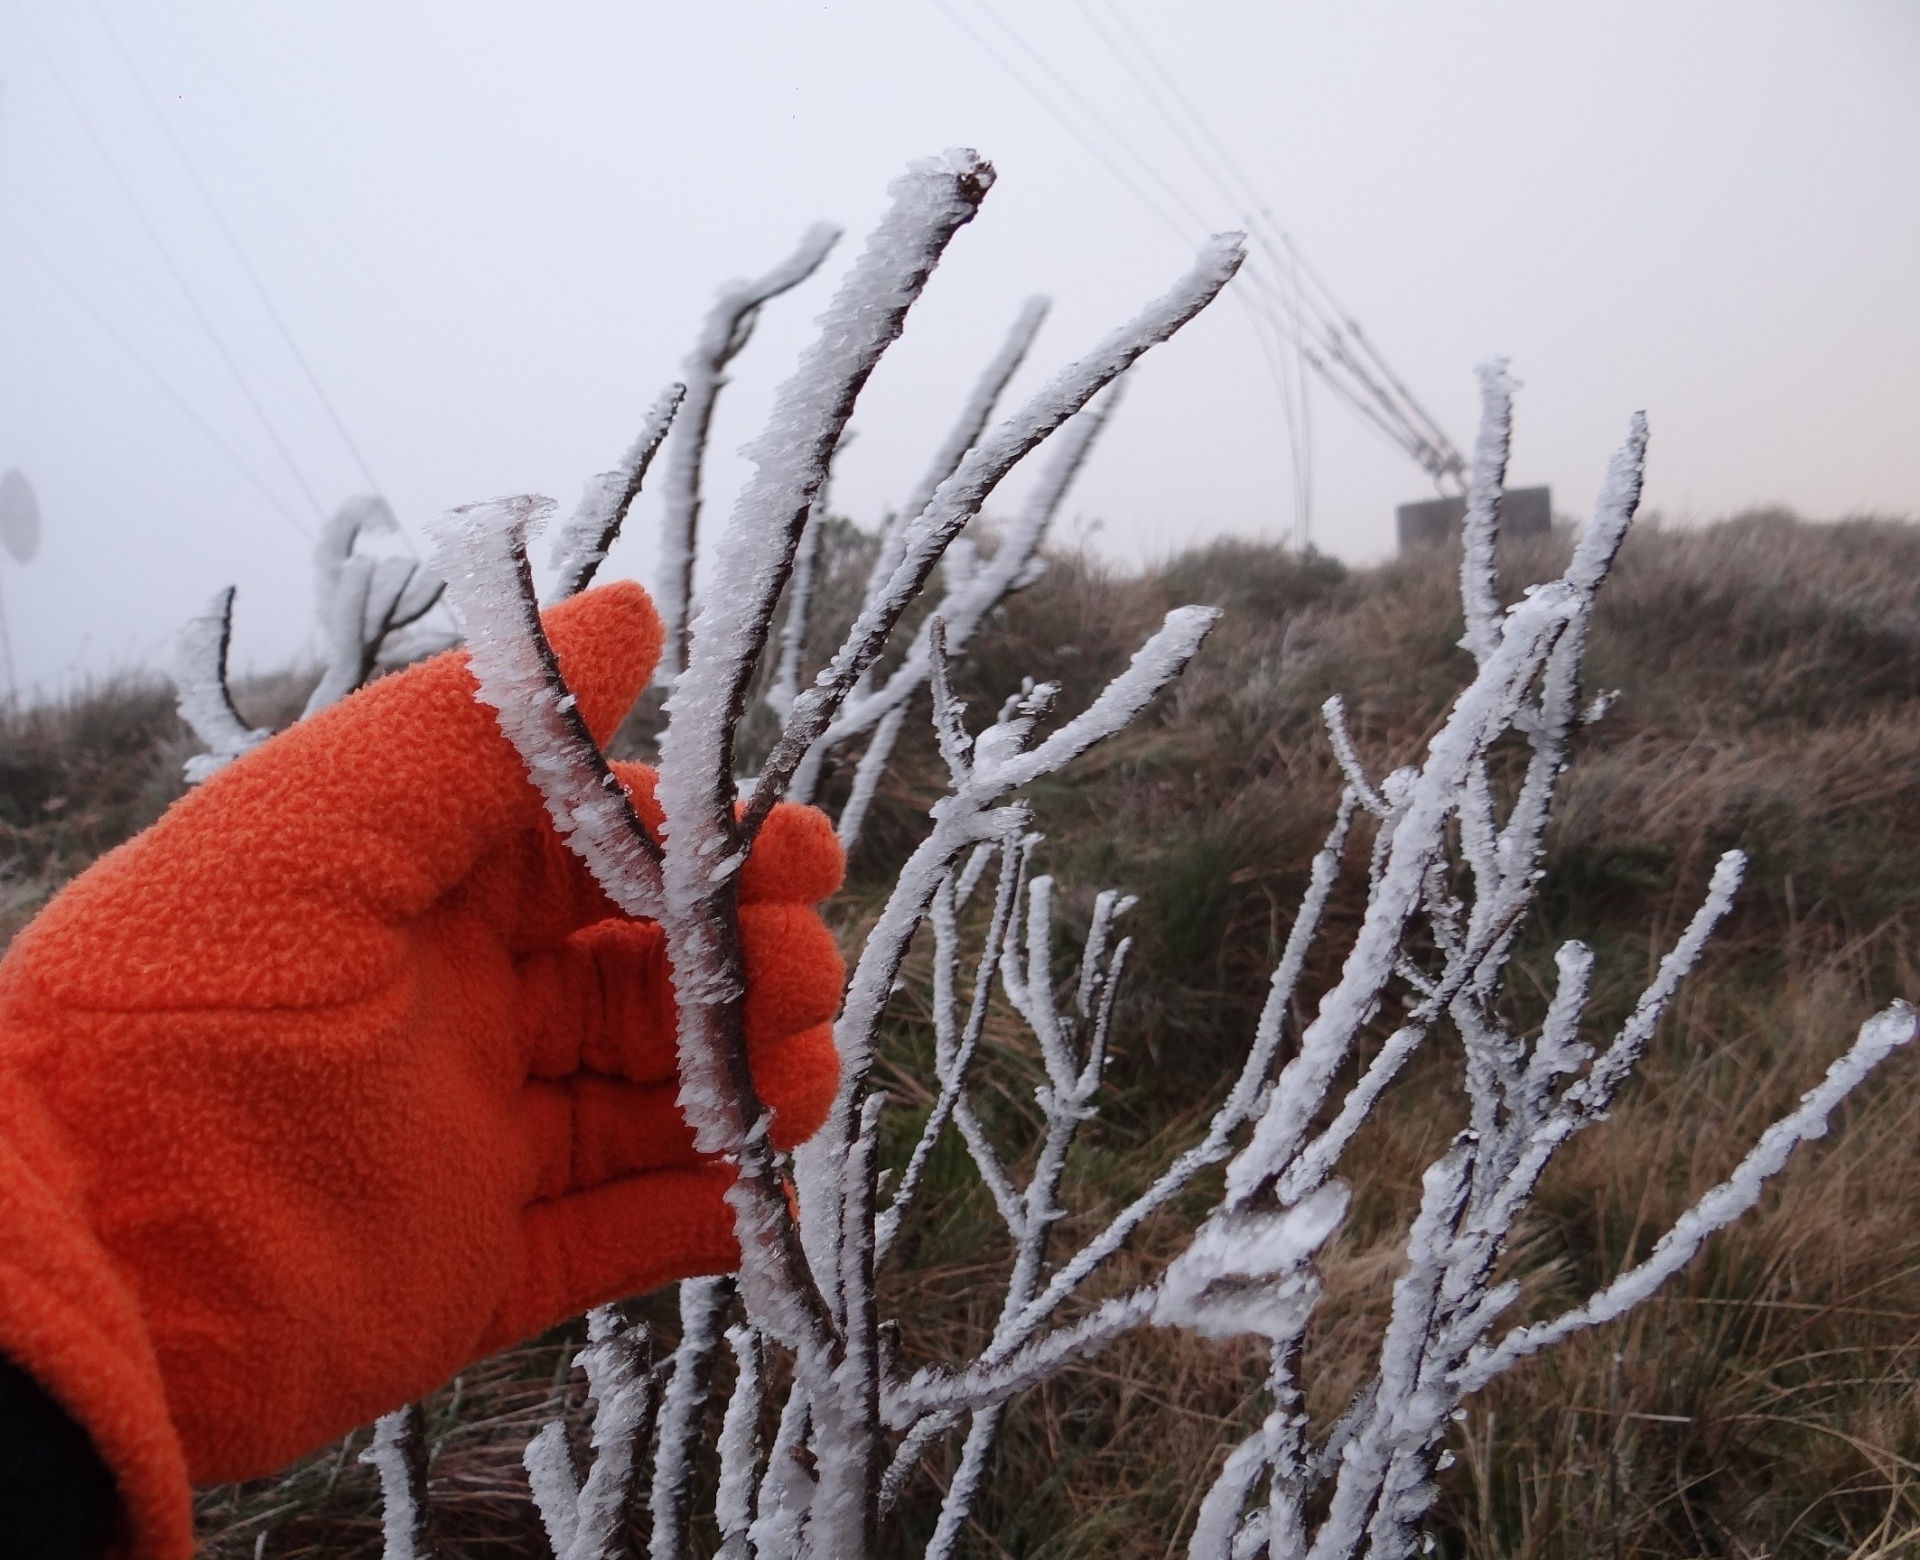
column 492, row 229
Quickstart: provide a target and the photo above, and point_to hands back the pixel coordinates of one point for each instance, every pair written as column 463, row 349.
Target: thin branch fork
column 361, row 600
column 964, row 434
column 965, row 604
column 1481, row 713
column 959, row 498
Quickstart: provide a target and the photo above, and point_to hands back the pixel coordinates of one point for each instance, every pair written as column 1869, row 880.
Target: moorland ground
column 1766, row 1403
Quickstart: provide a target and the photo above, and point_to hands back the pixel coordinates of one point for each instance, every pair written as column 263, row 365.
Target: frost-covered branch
column 580, row 546
column 934, row 1391
column 961, row 610
column 726, row 331
column 704, row 844
column 740, row 1450
column 1241, row 1102
column 1479, row 716
column 1879, row 1037
column 1525, row 1098
column 958, row 500
column 482, row 552
column 954, row 1051
column 362, row 603
column 399, row 1455
column 703, row 1303
column 962, row 437
column 797, row 619
column 1480, row 530
column 1334, row 713
column 816, row 1299
column 1452, row 850
column 587, row 1522
column 362, row 599
column 200, row 675
column 999, row 762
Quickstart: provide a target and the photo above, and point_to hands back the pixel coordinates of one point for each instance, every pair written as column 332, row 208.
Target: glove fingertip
column 608, row 642
column 796, row 859
column 799, row 1079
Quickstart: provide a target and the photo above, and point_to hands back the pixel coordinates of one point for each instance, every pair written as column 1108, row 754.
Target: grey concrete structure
column 1436, row 521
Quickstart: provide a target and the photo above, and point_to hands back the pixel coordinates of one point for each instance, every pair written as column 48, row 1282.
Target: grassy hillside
column 1770, row 698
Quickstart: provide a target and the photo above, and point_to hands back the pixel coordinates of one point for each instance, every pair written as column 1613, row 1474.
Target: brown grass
column 1765, row 1404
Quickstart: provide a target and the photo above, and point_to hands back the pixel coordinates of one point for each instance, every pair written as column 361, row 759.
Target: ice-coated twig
column 958, row 500
column 1108, row 905
column 1383, row 1453
column 983, row 769
column 703, row 1303
column 962, row 437
column 867, row 775
column 1315, row 1162
column 554, row 1481
column 1364, row 1463
column 580, row 546
column 1066, row 1102
column 726, row 331
column 1559, row 1050
column 906, row 1456
column 481, row 551
column 1334, row 713
column 849, row 1447
column 961, row 610
column 1591, row 1096
column 1449, row 882
column 1480, row 714
column 1878, row 1038
column 1000, row 763
column 1219, row 1524
column 733, row 1506
column 797, row 620
column 785, row 687
column 1521, row 845
column 1509, row 1169
column 200, row 676
column 399, row 1455
column 361, row 599
column 587, row 1522
column 1030, row 989
column 954, row 1053
column 1241, row 1102
column 983, row 1429
column 1480, row 530
column 934, row 1390
column 786, row 1489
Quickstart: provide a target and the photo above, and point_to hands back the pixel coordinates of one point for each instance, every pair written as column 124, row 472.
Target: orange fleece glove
column 345, row 1073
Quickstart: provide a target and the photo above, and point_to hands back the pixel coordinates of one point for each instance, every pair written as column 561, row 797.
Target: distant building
column 1436, row 522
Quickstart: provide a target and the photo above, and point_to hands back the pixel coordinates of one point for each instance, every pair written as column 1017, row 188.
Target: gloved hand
column 345, row 1073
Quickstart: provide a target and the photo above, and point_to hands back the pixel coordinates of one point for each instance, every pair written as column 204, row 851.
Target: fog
column 491, row 229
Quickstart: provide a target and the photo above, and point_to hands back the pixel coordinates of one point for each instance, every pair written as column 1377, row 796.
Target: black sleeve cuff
column 56, row 1495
